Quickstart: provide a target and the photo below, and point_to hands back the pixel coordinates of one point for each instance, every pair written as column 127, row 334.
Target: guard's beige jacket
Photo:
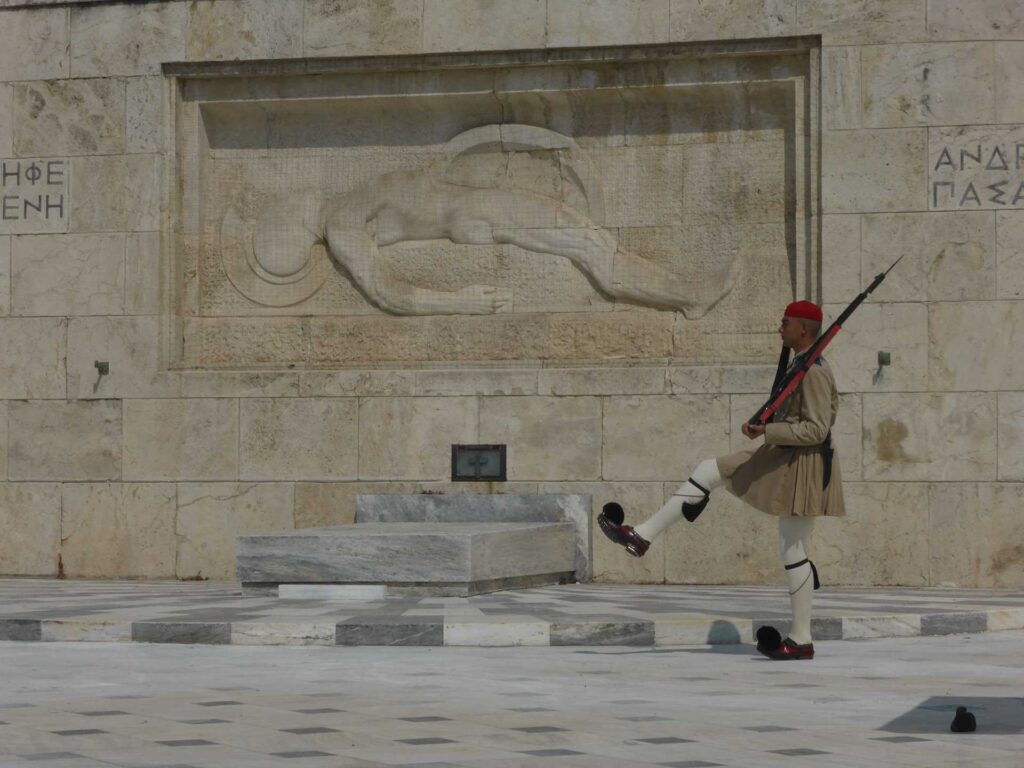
column 784, row 476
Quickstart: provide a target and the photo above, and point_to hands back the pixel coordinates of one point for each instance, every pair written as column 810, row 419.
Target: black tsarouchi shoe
column 610, row 521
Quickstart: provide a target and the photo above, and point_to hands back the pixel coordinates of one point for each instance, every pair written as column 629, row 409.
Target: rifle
column 787, row 381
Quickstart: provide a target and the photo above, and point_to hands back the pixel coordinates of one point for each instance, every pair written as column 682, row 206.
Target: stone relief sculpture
column 283, row 257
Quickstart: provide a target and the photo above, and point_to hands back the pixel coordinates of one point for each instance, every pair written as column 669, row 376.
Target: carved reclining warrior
column 416, row 205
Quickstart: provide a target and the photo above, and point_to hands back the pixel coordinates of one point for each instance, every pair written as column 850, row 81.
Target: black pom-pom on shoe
column 768, row 639
column 963, row 721
column 614, row 512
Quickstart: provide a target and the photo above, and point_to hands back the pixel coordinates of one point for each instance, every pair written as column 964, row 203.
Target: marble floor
column 860, row 704
column 574, row 614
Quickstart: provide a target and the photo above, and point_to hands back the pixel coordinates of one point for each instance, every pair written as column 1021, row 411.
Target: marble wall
column 227, row 409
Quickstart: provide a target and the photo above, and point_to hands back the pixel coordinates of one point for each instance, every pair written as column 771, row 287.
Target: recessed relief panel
column 640, row 210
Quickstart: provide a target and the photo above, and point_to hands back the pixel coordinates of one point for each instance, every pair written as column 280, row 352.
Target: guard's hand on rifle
column 753, row 431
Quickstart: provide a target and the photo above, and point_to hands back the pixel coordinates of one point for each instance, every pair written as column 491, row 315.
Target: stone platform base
column 443, row 559
column 453, row 545
column 576, row 614
column 426, row 589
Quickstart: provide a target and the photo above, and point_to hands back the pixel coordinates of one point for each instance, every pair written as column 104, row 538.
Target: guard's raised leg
column 687, row 502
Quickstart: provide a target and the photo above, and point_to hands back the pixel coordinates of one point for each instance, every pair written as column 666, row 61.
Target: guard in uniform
column 793, row 475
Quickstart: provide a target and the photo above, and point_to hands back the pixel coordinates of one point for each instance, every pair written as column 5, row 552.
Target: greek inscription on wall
column 976, row 169
column 33, row 196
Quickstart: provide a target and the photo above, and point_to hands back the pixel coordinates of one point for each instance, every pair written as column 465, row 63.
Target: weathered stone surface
column 862, row 22
column 193, row 439
column 1010, row 254
column 99, row 631
column 117, row 530
column 3, row 435
column 507, row 633
column 326, row 504
column 246, row 633
column 988, row 20
column 54, row 440
column 1011, row 436
column 144, row 99
column 29, row 528
column 212, row 515
column 880, row 170
column 115, row 193
column 359, row 28
column 548, row 438
column 5, row 275
column 840, row 258
column 501, row 381
column 226, row 341
column 742, row 336
column 721, row 380
column 239, row 384
column 927, row 84
column 603, row 381
column 1009, row 70
column 571, row 336
column 69, row 117
column 642, row 185
column 470, row 507
column 318, row 505
column 899, row 329
column 411, row 438
column 298, row 439
column 248, row 29
column 32, row 357
column 142, row 274
column 948, row 256
column 474, row 25
column 840, row 87
column 883, row 539
column 697, row 20
column 651, row 438
column 34, row 44
column 847, row 436
column 930, row 437
column 357, row 383
column 128, row 39
column 606, row 22
column 6, row 120
column 974, row 534
column 730, row 544
column 68, row 274
column 130, row 347
column 428, row 554
column 748, row 179
column 974, row 345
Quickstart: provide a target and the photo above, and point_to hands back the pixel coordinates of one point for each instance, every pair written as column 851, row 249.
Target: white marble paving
column 483, row 707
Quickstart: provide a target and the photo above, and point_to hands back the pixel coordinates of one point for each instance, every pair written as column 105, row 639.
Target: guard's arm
column 815, row 414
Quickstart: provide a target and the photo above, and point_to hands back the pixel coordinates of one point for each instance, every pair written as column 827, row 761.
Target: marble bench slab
column 423, row 558
column 486, row 508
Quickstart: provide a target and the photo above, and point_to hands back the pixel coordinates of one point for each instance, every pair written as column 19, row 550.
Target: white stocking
column 794, row 535
column 707, row 475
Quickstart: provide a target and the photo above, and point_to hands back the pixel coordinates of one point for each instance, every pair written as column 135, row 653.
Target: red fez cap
column 805, row 310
